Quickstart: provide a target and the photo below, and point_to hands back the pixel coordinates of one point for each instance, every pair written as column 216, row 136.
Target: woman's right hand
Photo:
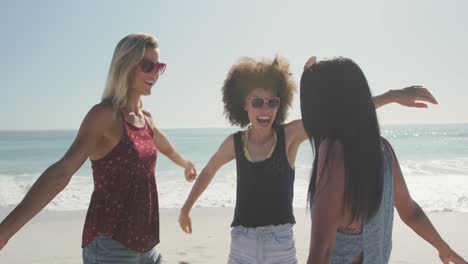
column 185, row 222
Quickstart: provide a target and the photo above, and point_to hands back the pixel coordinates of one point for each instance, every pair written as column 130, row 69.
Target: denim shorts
column 103, row 250
column 263, row 245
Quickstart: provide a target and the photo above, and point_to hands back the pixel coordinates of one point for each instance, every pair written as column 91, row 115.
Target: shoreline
column 55, row 237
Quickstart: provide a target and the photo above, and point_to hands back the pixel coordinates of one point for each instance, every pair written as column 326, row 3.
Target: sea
column 433, row 158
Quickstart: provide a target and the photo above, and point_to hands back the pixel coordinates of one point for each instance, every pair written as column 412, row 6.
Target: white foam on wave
column 439, row 192
column 456, row 166
column 74, row 197
column 12, row 190
column 435, row 185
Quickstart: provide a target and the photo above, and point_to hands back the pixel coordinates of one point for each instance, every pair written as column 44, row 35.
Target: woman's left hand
column 190, row 171
column 413, row 96
column 449, row 256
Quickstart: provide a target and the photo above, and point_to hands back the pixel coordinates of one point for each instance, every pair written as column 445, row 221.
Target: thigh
column 280, row 248
column 104, row 250
column 151, row 257
column 243, row 248
column 89, row 254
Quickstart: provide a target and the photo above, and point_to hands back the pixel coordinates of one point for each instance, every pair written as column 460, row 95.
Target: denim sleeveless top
column 375, row 240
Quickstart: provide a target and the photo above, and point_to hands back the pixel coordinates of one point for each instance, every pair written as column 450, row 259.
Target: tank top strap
column 238, row 146
column 147, row 125
column 124, row 125
column 128, row 126
column 280, row 136
column 281, row 139
column 388, row 155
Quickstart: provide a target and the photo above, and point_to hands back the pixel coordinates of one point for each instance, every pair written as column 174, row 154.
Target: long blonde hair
column 127, row 54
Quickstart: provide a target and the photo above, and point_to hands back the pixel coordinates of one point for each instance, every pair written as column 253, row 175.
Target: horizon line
column 235, row 127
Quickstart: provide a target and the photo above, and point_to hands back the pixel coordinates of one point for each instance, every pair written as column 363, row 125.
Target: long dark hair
column 336, row 105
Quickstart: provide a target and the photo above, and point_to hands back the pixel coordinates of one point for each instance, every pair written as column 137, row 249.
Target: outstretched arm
column 414, row 217
column 224, row 154
column 165, row 147
column 55, row 178
column 412, row 96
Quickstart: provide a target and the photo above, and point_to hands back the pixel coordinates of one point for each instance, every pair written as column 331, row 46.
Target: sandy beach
column 55, row 237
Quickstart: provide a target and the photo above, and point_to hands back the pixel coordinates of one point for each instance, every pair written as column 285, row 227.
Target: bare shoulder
column 97, row 125
column 331, row 156
column 227, row 148
column 149, row 116
column 147, row 113
column 294, row 131
column 228, row 142
column 101, row 113
column 331, row 164
column 294, row 125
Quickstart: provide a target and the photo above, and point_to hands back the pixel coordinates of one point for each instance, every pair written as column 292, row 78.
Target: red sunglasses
column 258, row 102
column 148, row 66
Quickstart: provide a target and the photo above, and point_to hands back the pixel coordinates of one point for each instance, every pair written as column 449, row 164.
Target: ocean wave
column 434, row 192
column 454, row 166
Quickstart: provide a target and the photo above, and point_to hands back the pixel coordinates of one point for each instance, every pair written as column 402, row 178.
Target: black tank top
column 264, row 188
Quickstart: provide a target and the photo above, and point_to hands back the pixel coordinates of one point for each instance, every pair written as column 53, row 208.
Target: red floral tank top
column 124, row 204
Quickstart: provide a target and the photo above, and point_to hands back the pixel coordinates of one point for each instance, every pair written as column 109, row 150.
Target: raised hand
column 413, row 96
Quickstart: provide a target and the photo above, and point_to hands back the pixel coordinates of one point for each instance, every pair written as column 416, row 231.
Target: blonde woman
column 122, row 142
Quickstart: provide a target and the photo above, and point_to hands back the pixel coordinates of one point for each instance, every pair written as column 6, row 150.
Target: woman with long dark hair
column 356, row 179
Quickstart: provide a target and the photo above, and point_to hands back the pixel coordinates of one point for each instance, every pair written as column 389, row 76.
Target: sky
column 56, row 54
